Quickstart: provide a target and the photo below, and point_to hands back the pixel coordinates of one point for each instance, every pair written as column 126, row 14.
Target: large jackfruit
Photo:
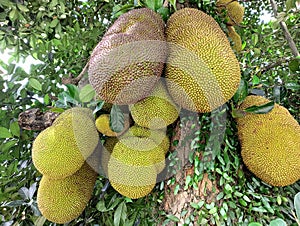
column 235, row 11
column 62, row 200
column 129, row 60
column 61, row 149
column 102, row 125
column 133, row 166
column 236, row 38
column 202, row 70
column 270, row 143
column 109, row 145
column 156, row 111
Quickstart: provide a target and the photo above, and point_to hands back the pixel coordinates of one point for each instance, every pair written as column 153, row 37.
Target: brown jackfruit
column 61, row 149
column 270, row 143
column 156, row 111
column 202, row 70
column 129, row 60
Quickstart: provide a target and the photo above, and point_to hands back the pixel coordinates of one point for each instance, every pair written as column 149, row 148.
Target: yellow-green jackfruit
column 236, row 38
column 202, row 70
column 102, row 125
column 235, row 11
column 270, row 143
column 133, row 166
column 62, row 200
column 109, row 145
column 129, row 60
column 61, row 149
column 156, row 111
column 158, row 136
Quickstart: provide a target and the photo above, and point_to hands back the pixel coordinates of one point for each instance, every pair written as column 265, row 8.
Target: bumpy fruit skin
column 102, row 125
column 202, row 70
column 158, row 136
column 129, row 60
column 270, row 143
column 61, row 149
column 109, row 145
column 156, row 111
column 236, row 38
column 235, row 11
column 133, row 166
column 62, row 200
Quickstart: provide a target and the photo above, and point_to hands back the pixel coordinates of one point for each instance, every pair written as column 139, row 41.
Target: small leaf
column 120, row 214
column 255, row 80
column 40, row 221
column 32, row 190
column 173, row 218
column 262, row 109
column 73, row 91
column 254, row 224
column 24, row 193
column 116, row 119
column 242, row 92
column 15, row 129
column 297, row 205
column 54, row 23
column 35, row 84
column 277, row 222
column 22, row 8
column 254, row 39
column 4, row 133
column 87, row 93
column 13, row 15
column 294, row 65
column 101, row 206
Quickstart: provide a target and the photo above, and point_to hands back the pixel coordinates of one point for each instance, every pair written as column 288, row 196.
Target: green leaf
column 242, row 92
column 297, row 205
column 173, row 3
column 262, row 109
column 4, row 133
column 73, row 91
column 35, row 84
column 277, row 222
column 40, row 221
column 15, row 129
column 120, row 214
column 254, row 224
column 101, row 206
column 254, row 39
column 173, row 218
column 294, row 65
column 22, row 8
column 13, row 15
column 255, row 80
column 54, row 23
column 87, row 93
column 116, row 119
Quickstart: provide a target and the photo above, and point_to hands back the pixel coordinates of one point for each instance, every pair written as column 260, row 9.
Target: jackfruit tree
column 149, row 112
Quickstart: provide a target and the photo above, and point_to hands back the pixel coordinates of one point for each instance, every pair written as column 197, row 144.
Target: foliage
column 62, row 34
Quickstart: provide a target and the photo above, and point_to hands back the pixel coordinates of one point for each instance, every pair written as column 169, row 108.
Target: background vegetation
column 61, row 35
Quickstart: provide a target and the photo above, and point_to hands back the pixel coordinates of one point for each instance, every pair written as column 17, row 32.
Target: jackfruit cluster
column 235, row 11
column 202, row 71
column 128, row 61
column 156, row 111
column 270, row 143
column 103, row 125
column 133, row 166
column 61, row 149
column 236, row 38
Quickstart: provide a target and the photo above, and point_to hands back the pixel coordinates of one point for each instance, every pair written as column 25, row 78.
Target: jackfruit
column 133, row 166
column 129, row 60
column 109, row 145
column 156, row 111
column 62, row 200
column 235, row 11
column 61, row 149
column 158, row 136
column 102, row 125
column 236, row 38
column 202, row 70
column 270, row 143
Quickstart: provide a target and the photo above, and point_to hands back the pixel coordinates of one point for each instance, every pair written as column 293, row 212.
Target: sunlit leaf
column 277, row 222
column 4, row 133
column 297, row 205
column 87, row 93
column 120, row 214
column 34, row 83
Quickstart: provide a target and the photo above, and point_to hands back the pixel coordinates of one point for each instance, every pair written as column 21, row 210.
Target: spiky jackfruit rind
column 102, row 125
column 133, row 166
column 61, row 149
column 270, row 143
column 156, row 111
column 235, row 11
column 62, row 200
column 236, row 38
column 202, row 70
column 109, row 145
column 118, row 78
column 158, row 136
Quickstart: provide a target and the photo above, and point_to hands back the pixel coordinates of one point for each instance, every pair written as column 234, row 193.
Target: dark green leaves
column 262, row 109
column 294, row 65
column 242, row 92
column 116, row 119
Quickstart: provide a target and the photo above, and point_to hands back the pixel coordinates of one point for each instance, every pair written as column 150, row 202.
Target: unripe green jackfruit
column 156, row 111
column 235, row 11
column 62, row 200
column 270, row 143
column 61, row 149
column 133, row 166
column 202, row 70
column 129, row 60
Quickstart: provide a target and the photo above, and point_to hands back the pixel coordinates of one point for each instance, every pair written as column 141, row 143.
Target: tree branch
column 286, row 32
column 275, row 64
column 76, row 80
